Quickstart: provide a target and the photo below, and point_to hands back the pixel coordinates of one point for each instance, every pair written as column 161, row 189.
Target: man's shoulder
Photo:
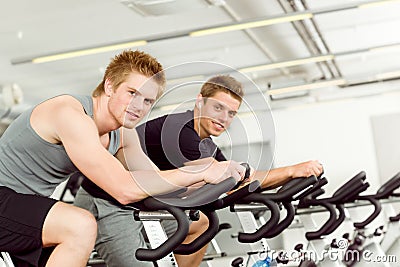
column 62, row 101
column 179, row 118
column 172, row 119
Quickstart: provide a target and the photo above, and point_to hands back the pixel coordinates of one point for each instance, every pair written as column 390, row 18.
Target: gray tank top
column 30, row 164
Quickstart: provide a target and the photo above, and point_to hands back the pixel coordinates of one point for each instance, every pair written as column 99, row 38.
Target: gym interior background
column 328, row 71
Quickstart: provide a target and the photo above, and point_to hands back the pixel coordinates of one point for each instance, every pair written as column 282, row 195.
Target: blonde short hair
column 123, row 64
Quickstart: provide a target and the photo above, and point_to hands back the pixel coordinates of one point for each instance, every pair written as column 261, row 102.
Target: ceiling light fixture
column 251, row 24
column 283, row 64
column 89, row 51
column 385, row 48
column 308, row 86
column 78, row 53
column 377, row 3
column 387, row 75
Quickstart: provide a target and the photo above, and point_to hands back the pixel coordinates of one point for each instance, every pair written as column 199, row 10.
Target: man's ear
column 199, row 100
column 108, row 88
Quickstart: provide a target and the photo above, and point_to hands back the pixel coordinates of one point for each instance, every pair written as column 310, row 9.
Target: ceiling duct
column 163, row 7
column 312, row 37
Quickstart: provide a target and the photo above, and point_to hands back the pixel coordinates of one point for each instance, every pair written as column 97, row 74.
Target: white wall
column 386, row 130
column 337, row 133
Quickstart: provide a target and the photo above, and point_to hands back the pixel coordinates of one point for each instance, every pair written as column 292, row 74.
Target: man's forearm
column 160, row 182
column 273, row 178
column 279, row 176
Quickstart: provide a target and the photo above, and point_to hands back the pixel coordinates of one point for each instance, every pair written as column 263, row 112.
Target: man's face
column 216, row 114
column 132, row 100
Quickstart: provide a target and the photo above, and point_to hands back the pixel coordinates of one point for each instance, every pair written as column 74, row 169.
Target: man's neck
column 102, row 117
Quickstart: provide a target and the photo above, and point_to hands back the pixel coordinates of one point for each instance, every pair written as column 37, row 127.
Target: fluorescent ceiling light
column 289, row 63
column 385, row 48
column 88, row 51
column 253, row 24
column 377, row 3
column 388, row 75
column 308, row 86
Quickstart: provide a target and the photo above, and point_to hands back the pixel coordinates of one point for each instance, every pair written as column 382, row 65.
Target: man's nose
column 137, row 103
column 223, row 117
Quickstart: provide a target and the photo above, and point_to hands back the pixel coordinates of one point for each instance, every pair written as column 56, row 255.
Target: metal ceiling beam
column 252, row 36
column 314, row 40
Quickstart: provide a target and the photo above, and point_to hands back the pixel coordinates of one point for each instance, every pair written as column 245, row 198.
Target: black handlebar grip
column 206, row 194
column 272, row 222
column 349, row 186
column 320, row 176
column 354, row 195
column 284, row 224
column 246, row 175
column 293, row 189
column 315, row 191
column 339, row 220
column 389, row 187
column 312, row 235
column 204, row 238
column 172, row 242
column 239, row 194
column 175, row 193
column 310, row 189
column 375, row 213
column 395, row 218
column 202, row 196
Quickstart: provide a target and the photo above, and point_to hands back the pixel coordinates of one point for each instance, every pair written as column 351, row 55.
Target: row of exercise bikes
column 264, row 214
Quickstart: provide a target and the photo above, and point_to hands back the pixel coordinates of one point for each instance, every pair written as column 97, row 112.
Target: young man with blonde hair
column 69, row 133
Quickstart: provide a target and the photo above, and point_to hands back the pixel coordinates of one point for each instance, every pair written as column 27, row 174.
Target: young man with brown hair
column 174, row 140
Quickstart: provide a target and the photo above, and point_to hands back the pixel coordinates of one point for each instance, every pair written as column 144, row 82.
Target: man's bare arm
column 86, row 151
column 279, row 176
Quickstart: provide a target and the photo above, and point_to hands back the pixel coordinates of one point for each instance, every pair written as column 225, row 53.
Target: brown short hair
column 123, row 64
column 222, row 83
